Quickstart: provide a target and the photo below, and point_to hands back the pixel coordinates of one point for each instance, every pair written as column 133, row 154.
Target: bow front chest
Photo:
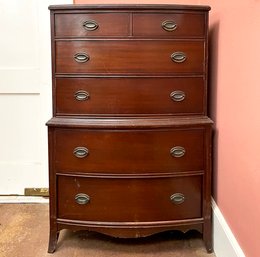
column 130, row 140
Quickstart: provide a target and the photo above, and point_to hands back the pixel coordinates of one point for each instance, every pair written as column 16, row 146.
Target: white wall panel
column 25, row 93
column 19, row 29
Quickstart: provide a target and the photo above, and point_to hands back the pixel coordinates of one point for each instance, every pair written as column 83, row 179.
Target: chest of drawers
column 130, row 140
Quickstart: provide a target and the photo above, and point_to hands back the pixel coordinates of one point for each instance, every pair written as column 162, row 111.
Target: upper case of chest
column 122, row 63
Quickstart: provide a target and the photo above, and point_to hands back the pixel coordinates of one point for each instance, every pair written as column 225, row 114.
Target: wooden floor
column 24, row 232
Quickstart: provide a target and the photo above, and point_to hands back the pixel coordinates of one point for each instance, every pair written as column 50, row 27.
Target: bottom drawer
column 129, row 199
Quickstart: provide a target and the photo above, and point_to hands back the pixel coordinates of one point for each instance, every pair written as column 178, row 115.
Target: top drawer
column 91, row 24
column 169, row 25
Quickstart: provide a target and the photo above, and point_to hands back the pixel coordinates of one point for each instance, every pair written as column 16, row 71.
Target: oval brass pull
column 178, row 57
column 81, row 152
column 90, row 25
column 81, row 57
column 177, row 198
column 82, row 198
column 169, row 25
column 177, row 151
column 81, row 95
column 177, row 96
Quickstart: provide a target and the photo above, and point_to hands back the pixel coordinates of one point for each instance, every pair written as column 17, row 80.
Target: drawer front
column 91, row 24
column 171, row 25
column 133, row 200
column 120, row 96
column 130, row 151
column 129, row 56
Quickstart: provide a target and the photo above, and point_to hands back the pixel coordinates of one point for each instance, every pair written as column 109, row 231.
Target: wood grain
column 130, row 96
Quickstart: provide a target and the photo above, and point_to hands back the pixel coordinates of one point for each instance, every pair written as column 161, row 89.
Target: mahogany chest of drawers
column 130, row 140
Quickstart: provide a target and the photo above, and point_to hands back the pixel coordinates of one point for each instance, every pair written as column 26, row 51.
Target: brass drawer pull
column 81, row 152
column 177, row 198
column 81, row 95
column 81, row 57
column 90, row 25
column 177, row 151
column 177, row 96
column 169, row 25
column 82, row 199
column 178, row 57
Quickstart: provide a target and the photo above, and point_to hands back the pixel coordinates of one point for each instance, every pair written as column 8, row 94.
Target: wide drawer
column 170, row 25
column 129, row 56
column 132, row 199
column 129, row 151
column 91, row 24
column 121, row 96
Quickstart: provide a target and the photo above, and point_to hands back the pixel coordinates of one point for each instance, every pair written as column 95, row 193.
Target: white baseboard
column 23, row 199
column 225, row 243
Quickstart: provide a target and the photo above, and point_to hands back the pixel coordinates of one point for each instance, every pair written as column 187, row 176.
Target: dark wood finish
column 207, row 225
column 130, row 96
column 136, row 122
column 134, row 229
column 140, row 200
column 129, row 151
column 109, row 24
column 129, row 7
column 188, row 25
column 129, row 56
column 130, row 140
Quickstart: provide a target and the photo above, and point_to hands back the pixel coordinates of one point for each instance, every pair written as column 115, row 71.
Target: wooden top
column 130, row 7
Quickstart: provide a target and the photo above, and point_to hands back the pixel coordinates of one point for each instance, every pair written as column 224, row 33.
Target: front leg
column 53, row 240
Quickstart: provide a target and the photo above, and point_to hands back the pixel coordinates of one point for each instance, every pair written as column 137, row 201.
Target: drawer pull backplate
column 81, row 95
column 177, row 198
column 81, row 57
column 177, row 151
column 178, row 57
column 80, row 152
column 177, row 96
column 90, row 25
column 82, row 199
column 169, row 25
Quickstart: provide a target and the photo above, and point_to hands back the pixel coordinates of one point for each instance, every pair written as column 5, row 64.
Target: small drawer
column 129, row 56
column 129, row 151
column 130, row 96
column 91, row 24
column 171, row 25
column 129, row 200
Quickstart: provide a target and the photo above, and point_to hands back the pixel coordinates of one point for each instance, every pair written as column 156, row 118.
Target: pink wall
column 235, row 83
column 235, row 58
